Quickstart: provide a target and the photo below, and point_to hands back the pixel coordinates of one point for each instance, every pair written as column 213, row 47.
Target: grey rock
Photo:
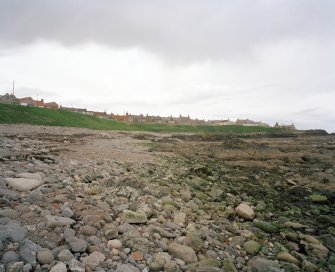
column 69, row 234
column 10, row 256
column 78, row 245
column 182, row 252
column 15, row 267
column 67, row 212
column 179, row 218
column 94, row 259
column 27, row 268
column 110, row 231
column 329, row 241
column 58, row 221
column 259, row 264
column 126, row 268
column 193, row 239
column 10, row 213
column 60, row 267
column 28, row 252
column 13, row 232
column 65, row 255
column 162, row 232
column 4, row 192
column 76, row 266
column 136, row 242
column 159, row 260
column 88, row 230
column 35, row 196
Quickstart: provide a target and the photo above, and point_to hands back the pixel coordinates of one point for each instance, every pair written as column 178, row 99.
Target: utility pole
column 13, row 87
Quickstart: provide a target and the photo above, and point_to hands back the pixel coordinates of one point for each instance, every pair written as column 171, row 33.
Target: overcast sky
column 267, row 60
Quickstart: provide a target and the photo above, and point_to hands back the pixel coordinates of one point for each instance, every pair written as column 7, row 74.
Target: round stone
column 45, row 256
column 114, row 244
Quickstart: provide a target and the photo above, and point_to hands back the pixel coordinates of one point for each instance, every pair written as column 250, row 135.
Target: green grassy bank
column 14, row 114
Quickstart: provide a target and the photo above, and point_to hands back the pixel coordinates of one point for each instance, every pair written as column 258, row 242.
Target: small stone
column 179, row 218
column 45, row 256
column 110, row 231
column 76, row 266
column 15, row 267
column 60, row 267
column 205, row 265
column 159, row 261
column 309, row 267
column 259, row 264
column 65, row 255
column 67, row 212
column 182, row 252
column 318, row 198
column 78, row 245
column 228, row 265
column 287, row 257
column 114, row 244
column 193, row 240
column 137, row 255
column 88, row 230
column 58, row 221
column 94, row 259
column 245, row 211
column 126, row 268
column 35, row 196
column 265, row 226
column 252, row 247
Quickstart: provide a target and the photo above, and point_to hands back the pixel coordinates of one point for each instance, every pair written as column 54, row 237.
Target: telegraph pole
column 13, row 87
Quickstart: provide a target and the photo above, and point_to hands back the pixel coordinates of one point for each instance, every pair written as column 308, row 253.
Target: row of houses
column 27, row 101
column 131, row 118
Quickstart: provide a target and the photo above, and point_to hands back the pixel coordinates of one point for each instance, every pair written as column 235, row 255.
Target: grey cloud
column 185, row 30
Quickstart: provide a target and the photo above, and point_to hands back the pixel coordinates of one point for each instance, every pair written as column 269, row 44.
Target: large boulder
column 23, row 184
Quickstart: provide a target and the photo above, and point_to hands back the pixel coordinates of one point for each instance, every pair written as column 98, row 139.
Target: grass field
column 14, row 114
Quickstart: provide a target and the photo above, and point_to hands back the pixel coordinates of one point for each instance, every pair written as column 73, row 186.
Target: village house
column 117, row 117
column 8, row 99
column 51, row 105
column 78, row 110
column 286, row 127
column 26, row 101
column 100, row 114
column 247, row 122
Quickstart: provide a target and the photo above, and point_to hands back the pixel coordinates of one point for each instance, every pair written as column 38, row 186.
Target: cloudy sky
column 267, row 60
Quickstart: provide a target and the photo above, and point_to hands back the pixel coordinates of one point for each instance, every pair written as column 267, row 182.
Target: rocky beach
column 82, row 200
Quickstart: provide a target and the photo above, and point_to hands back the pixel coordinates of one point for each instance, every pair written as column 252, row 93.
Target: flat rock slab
column 23, row 184
column 132, row 217
column 29, row 176
column 58, row 221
